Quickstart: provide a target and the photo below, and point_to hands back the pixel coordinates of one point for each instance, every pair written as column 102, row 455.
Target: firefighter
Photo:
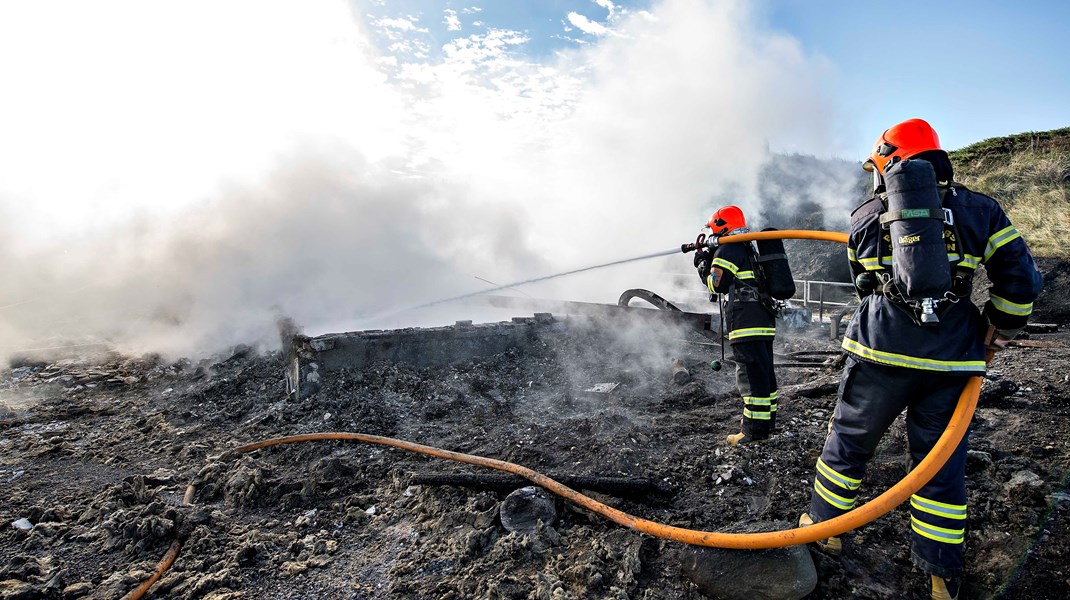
column 899, row 357
column 733, row 270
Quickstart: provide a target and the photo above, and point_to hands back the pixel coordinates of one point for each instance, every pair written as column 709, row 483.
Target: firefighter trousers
column 756, row 382
column 871, row 396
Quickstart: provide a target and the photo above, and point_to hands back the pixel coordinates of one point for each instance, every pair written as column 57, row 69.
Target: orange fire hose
column 872, row 510
column 781, row 234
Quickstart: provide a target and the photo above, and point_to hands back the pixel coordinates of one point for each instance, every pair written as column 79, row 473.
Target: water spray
column 702, row 241
column 520, row 283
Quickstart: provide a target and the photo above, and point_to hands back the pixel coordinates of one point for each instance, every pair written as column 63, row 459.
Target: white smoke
column 175, row 180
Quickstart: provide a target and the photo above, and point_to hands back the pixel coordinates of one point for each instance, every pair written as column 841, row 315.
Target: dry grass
column 1044, row 221
column 1034, row 188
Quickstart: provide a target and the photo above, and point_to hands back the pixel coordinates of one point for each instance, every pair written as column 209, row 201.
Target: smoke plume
column 176, row 197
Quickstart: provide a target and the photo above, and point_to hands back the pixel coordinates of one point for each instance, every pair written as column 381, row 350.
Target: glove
column 702, row 255
column 997, row 339
column 702, row 263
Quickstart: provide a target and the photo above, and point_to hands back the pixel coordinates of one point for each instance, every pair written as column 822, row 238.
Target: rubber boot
column 946, row 589
column 832, row 546
column 737, row 439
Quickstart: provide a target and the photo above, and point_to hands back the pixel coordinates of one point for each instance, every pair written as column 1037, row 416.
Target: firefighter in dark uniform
column 898, row 359
column 733, row 270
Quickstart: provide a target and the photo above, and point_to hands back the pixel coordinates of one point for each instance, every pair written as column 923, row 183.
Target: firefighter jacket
column 976, row 232
column 747, row 317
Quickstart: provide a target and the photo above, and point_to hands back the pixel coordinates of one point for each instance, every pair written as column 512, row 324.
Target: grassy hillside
column 1029, row 174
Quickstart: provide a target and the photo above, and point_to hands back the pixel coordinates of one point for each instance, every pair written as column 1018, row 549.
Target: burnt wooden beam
column 622, row 487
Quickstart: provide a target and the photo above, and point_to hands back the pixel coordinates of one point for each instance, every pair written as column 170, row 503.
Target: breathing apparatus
column 916, row 227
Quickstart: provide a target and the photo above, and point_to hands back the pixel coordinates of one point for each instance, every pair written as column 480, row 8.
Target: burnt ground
column 96, row 455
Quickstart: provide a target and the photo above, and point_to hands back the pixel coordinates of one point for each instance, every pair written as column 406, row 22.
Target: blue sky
column 975, row 69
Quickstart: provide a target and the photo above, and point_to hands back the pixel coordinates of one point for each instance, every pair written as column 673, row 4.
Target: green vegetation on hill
column 1029, row 174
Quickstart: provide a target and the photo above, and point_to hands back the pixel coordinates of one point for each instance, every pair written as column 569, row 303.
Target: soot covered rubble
column 96, row 455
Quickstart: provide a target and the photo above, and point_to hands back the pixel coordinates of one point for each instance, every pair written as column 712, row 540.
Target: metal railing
column 831, row 294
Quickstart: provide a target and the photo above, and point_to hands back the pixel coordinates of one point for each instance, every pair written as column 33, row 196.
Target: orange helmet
column 909, row 138
column 728, row 218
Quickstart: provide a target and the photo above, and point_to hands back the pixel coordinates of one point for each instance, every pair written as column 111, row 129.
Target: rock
column 977, row 461
column 23, row 524
column 293, row 567
column 13, row 589
column 77, row 590
column 773, row 574
column 1026, row 487
column 524, row 508
column 993, row 389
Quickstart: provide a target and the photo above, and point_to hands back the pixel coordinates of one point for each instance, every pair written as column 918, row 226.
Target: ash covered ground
column 96, row 454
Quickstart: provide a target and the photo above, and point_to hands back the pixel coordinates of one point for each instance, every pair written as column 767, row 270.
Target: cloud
column 403, row 24
column 318, row 171
column 586, row 25
column 453, row 23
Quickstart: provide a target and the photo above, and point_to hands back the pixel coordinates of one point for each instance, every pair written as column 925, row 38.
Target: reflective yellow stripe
column 970, row 261
column 745, row 275
column 709, row 284
column 1011, row 308
column 1000, row 239
column 756, row 414
column 940, row 534
column 911, row 362
column 724, row 264
column 834, row 499
column 851, row 254
column 752, row 332
column 770, row 401
column 871, row 264
column 843, row 481
column 940, row 509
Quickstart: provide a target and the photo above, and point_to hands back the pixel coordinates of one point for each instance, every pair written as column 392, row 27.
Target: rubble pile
column 96, row 457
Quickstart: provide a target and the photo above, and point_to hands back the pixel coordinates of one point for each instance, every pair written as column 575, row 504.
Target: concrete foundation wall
column 312, row 358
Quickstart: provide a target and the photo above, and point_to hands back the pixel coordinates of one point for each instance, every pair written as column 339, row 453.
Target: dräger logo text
column 906, row 240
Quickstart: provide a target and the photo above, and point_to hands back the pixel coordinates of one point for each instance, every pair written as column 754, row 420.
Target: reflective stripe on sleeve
column 1000, row 239
column 1011, row 308
column 726, row 265
column 873, row 264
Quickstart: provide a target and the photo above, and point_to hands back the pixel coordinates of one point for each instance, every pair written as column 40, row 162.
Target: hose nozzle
column 700, row 242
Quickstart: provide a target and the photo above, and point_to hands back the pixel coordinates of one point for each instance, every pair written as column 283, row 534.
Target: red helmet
column 728, row 218
column 909, row 138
